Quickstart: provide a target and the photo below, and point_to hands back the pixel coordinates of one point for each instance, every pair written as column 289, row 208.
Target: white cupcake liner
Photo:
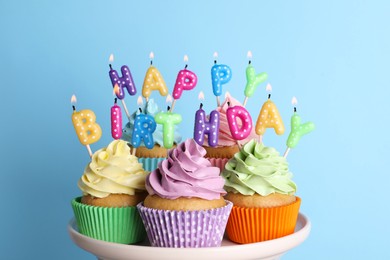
column 198, row 228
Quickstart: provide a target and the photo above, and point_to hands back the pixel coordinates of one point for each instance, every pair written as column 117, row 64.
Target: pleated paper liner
column 119, row 225
column 251, row 225
column 218, row 162
column 178, row 229
column 150, row 164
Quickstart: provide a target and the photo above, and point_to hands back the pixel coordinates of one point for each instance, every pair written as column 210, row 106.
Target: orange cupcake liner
column 251, row 225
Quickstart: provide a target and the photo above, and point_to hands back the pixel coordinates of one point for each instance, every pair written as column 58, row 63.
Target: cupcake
column 113, row 184
column 259, row 184
column 149, row 157
column 185, row 207
column 227, row 146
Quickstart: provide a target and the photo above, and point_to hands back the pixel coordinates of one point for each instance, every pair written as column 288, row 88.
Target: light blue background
column 332, row 55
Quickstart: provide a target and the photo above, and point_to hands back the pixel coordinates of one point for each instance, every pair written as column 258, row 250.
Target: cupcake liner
column 150, row 164
column 119, row 225
column 198, row 228
column 251, row 225
column 219, row 162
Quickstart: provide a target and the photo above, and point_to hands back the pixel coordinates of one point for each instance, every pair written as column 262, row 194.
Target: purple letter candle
column 204, row 127
column 126, row 81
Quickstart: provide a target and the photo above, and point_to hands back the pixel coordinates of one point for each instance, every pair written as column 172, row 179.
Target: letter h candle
column 204, row 127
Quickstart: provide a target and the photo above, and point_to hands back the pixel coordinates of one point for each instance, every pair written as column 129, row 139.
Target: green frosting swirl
column 258, row 169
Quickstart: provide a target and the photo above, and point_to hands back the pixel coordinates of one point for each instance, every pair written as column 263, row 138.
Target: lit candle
column 124, row 82
column 269, row 117
column 186, row 80
column 116, row 121
column 237, row 132
column 220, row 74
column 297, row 129
column 153, row 81
column 168, row 120
column 84, row 122
column 144, row 127
column 252, row 80
column 206, row 127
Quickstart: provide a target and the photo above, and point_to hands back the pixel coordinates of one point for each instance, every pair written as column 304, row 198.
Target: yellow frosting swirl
column 113, row 170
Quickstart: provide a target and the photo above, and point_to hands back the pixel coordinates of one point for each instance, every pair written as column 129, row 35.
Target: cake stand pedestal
column 268, row 250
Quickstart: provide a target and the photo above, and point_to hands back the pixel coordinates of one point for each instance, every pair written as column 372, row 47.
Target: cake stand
column 271, row 249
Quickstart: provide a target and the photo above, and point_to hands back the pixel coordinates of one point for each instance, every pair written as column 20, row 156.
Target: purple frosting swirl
column 186, row 173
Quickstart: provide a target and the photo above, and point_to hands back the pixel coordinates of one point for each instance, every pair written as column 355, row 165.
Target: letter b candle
column 203, row 127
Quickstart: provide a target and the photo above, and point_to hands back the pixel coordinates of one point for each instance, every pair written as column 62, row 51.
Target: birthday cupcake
column 185, row 207
column 113, row 184
column 259, row 184
column 227, row 146
column 149, row 157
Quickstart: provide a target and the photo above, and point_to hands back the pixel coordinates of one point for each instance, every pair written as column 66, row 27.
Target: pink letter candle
column 186, row 80
column 204, row 127
column 144, row 127
column 239, row 133
column 116, row 121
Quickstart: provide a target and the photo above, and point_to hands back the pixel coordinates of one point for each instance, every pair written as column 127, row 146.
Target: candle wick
column 215, row 61
column 201, row 106
column 115, row 100
column 74, row 108
column 249, row 62
column 140, row 110
column 295, row 109
column 151, row 62
column 228, row 103
column 168, row 108
column 186, row 66
column 110, row 66
column 269, row 96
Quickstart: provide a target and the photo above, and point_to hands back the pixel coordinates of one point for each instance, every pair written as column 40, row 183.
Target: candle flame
column 201, row 95
column 268, row 88
column 215, row 55
column 169, row 99
column 116, row 90
column 111, row 58
column 151, row 55
column 249, row 55
column 73, row 99
column 227, row 95
column 294, row 101
column 185, row 58
column 140, row 101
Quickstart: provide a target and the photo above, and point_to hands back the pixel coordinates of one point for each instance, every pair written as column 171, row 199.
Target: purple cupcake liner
column 178, row 229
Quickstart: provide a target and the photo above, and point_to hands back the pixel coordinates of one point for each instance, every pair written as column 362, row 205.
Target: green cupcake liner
column 119, row 225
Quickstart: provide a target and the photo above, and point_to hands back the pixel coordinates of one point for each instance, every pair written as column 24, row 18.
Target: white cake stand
column 272, row 249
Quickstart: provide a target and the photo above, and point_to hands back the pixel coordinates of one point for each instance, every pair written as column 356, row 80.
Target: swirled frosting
column 186, row 173
column 113, row 170
column 152, row 109
column 258, row 169
column 225, row 137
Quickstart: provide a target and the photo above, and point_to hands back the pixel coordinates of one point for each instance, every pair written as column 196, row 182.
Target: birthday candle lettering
column 237, row 132
column 204, row 127
column 168, row 120
column 84, row 122
column 144, row 127
column 124, row 82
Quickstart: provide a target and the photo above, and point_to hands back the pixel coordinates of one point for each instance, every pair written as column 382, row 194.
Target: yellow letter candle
column 153, row 81
column 269, row 117
column 84, row 122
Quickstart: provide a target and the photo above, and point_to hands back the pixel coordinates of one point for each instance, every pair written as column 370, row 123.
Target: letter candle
column 144, row 127
column 168, row 120
column 84, row 122
column 297, row 129
column 126, row 81
column 220, row 74
column 232, row 113
column 269, row 117
column 252, row 80
column 153, row 81
column 116, row 121
column 203, row 127
column 185, row 80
